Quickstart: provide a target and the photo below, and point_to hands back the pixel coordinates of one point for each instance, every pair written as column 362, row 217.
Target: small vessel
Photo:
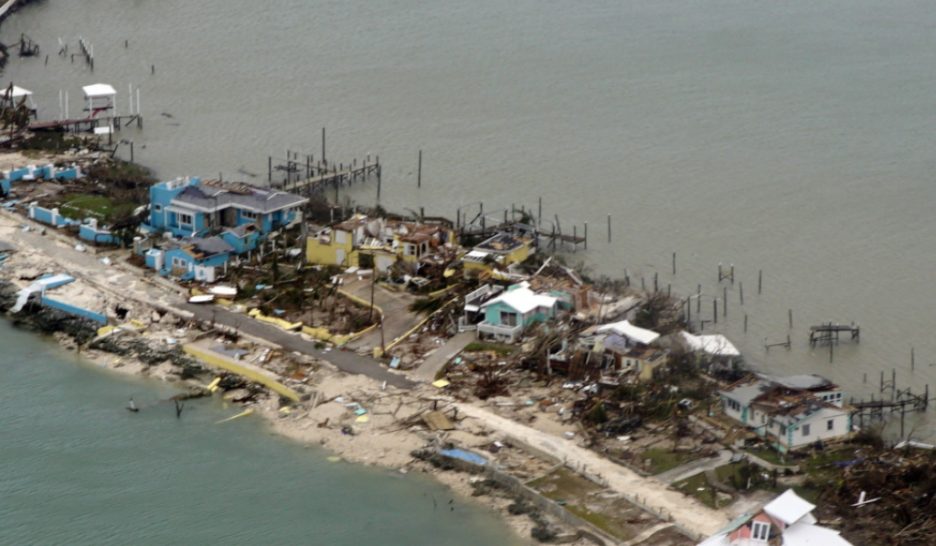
column 223, row 291
column 206, row 298
column 131, row 406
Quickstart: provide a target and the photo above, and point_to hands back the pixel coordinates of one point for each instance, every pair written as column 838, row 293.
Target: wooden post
column 419, row 171
column 269, row 169
column 586, row 235
column 539, row 211
column 656, row 284
column 790, row 317
column 609, row 228
column 698, row 299
column 760, row 280
column 741, row 292
column 745, row 323
column 674, row 264
column 725, row 302
column 131, row 151
column 732, row 273
column 912, row 359
column 715, row 310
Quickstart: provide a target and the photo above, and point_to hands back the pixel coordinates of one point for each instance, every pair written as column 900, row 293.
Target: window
column 508, row 319
column 249, row 215
column 760, row 530
column 179, row 263
column 830, row 424
column 733, row 405
column 185, row 219
column 157, row 208
column 805, row 430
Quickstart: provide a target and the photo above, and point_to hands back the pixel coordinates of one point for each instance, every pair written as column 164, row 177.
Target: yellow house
column 385, row 240
column 500, row 250
column 337, row 245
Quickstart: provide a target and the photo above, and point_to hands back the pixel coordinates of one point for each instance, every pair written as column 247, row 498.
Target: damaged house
column 789, row 412
column 785, row 521
column 384, row 241
column 613, row 351
column 498, row 252
column 509, row 314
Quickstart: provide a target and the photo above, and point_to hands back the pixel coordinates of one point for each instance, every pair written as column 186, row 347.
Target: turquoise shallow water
column 77, row 468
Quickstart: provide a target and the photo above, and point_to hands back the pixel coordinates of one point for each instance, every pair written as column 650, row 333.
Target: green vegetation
column 770, row 455
column 481, row 346
column 697, row 486
column 602, row 521
column 662, row 459
column 83, row 205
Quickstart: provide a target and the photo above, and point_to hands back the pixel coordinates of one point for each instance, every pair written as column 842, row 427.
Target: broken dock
column 829, row 332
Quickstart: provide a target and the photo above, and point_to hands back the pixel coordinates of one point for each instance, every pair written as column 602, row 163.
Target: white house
column 785, row 521
column 791, row 412
column 633, row 334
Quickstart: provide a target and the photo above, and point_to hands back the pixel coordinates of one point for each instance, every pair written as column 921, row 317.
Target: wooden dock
column 77, row 125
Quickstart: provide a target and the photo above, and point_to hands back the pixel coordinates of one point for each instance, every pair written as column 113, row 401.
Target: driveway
column 398, row 319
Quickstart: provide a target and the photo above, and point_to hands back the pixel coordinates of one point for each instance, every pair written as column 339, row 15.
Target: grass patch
column 97, row 206
column 563, row 484
column 691, row 486
column 481, row 346
column 770, row 455
column 662, row 459
column 601, row 521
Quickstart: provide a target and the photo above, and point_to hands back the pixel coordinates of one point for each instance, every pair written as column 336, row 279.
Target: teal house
column 509, row 314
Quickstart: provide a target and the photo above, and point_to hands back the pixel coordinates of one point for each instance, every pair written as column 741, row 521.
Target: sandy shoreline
column 380, row 441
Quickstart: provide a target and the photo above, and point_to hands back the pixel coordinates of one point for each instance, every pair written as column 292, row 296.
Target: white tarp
column 98, row 90
column 713, row 344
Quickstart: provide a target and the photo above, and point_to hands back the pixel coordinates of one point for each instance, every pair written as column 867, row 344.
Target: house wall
column 739, row 414
column 97, row 236
column 241, row 245
column 49, row 216
column 161, row 196
column 339, row 251
column 517, row 255
column 492, row 313
column 818, row 428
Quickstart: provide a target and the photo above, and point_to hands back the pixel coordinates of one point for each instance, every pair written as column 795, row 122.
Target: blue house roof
column 212, row 195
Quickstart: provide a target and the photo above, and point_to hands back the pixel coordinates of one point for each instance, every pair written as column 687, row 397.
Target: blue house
column 200, row 259
column 191, row 207
column 509, row 314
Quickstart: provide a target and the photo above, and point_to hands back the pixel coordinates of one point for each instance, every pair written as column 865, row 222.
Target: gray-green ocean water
column 77, row 468
column 791, row 137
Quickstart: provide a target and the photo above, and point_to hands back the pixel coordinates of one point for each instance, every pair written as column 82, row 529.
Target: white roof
column 713, row 344
column 523, row 300
column 789, row 507
column 17, row 92
column 805, row 534
column 628, row 330
column 98, row 90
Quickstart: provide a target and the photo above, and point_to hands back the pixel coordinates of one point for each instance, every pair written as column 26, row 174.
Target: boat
column 223, row 291
column 206, row 298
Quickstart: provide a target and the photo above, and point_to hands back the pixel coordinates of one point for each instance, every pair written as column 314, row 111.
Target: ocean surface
column 77, row 468
column 790, row 137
